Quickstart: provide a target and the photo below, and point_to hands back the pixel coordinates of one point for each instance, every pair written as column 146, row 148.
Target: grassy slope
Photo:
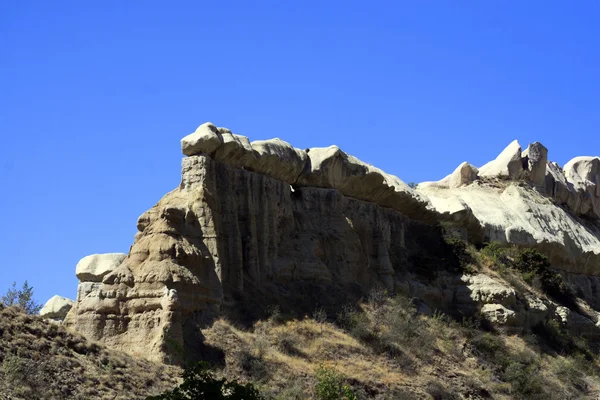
column 41, row 360
column 385, row 350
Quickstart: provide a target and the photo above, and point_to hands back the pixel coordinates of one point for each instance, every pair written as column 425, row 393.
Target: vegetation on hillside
column 42, row 360
column 22, row 298
column 382, row 348
column 379, row 348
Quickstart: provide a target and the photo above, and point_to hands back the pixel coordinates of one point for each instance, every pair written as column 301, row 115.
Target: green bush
column 199, row 384
column 524, row 379
column 330, row 385
column 534, row 265
column 494, row 250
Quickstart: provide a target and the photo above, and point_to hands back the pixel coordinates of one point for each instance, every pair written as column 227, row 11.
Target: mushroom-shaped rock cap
column 94, row 267
column 236, row 149
column 56, row 308
column 206, row 139
column 508, row 163
column 330, row 167
column 278, row 159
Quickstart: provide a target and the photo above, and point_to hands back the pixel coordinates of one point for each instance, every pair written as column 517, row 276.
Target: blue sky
column 95, row 97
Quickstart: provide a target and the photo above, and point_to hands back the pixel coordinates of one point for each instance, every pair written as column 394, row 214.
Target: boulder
column 556, row 185
column 464, row 174
column 537, row 158
column 583, row 173
column 277, row 159
column 508, row 163
column 236, row 149
column 94, row 267
column 500, row 315
column 205, row 140
column 57, row 308
column 483, row 289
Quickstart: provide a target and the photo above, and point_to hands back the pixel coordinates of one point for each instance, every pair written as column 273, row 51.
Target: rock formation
column 57, row 308
column 264, row 218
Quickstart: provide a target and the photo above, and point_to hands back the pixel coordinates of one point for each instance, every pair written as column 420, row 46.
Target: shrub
column 524, row 379
column 496, row 252
column 22, row 298
column 459, row 259
column 534, row 265
column 330, row 385
column 487, row 344
column 199, row 384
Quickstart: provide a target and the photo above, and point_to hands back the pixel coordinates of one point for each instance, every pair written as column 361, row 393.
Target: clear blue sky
column 95, row 96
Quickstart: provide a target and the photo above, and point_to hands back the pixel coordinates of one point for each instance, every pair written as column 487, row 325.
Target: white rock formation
column 94, row 267
column 57, row 308
column 508, row 163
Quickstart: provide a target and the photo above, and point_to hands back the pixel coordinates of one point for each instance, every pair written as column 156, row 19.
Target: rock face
column 267, row 220
column 57, row 308
column 239, row 228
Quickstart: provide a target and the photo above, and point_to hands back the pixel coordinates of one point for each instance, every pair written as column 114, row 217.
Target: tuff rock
column 56, row 308
column 266, row 221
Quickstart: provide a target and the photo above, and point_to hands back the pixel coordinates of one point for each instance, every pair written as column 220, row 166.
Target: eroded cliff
column 267, row 220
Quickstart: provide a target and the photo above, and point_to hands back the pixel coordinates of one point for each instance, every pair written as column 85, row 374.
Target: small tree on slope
column 22, row 298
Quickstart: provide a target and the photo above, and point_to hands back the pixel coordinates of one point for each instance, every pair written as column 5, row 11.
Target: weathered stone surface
column 330, row 167
column 278, row 159
column 484, row 289
column 583, row 173
column 227, row 231
column 205, row 140
column 556, row 185
column 537, row 158
column 94, row 267
column 508, row 163
column 464, row 174
column 56, row 308
column 500, row 315
column 236, row 150
column 259, row 219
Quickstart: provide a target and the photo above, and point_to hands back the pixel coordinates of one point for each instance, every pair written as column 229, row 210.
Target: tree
column 22, row 298
column 199, row 384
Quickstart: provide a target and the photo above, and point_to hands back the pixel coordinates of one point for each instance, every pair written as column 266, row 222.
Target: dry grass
column 42, row 360
column 398, row 354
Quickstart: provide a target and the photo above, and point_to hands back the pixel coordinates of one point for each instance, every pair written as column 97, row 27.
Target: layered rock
column 236, row 226
column 257, row 218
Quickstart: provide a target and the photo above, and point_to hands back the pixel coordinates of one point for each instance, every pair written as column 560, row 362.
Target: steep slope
column 41, row 360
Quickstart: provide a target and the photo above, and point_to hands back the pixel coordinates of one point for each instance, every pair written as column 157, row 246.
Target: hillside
column 42, row 360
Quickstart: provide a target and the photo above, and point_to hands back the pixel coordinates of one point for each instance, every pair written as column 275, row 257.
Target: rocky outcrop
column 95, row 267
column 262, row 218
column 516, row 199
column 56, row 308
column 231, row 230
column 537, row 158
column 508, row 164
